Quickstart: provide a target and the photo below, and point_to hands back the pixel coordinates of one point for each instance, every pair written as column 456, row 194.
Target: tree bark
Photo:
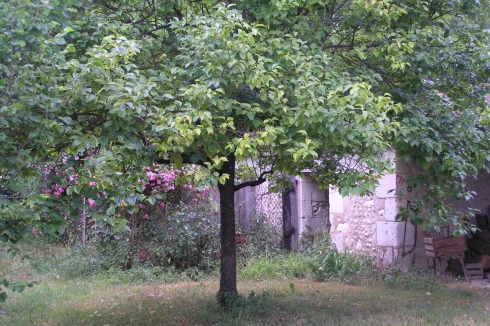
column 227, row 284
column 287, row 228
column 83, row 225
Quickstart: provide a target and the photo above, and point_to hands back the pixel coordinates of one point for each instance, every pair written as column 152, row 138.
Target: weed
column 280, row 266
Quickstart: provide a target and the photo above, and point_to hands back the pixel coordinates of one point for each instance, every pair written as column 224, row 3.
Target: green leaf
column 70, row 48
column 67, row 120
column 177, row 159
column 131, row 200
column 111, row 210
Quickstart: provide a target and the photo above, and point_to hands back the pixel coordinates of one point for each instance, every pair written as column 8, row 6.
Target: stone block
column 342, row 227
column 369, row 203
column 336, row 201
column 391, row 234
column 391, row 209
column 317, row 194
column 317, row 225
column 386, row 184
column 306, row 209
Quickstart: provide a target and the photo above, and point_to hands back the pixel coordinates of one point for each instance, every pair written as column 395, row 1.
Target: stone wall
column 312, row 207
column 368, row 225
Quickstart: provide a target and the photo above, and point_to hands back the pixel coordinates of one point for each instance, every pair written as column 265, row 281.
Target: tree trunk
column 83, row 225
column 227, row 284
column 287, row 227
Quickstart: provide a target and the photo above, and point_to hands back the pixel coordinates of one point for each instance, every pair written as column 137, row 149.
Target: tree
column 294, row 85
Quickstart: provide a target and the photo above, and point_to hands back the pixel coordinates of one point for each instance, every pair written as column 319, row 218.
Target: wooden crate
column 473, row 271
column 447, row 246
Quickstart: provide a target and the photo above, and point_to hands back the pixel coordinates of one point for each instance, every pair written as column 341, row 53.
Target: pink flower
column 73, row 178
column 92, row 202
column 92, row 183
column 58, row 190
column 145, row 216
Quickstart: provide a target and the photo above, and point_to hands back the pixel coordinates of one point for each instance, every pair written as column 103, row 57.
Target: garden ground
column 268, row 302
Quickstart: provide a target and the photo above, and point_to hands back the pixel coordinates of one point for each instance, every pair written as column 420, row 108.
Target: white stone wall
column 368, row 225
column 355, row 220
column 396, row 239
column 312, row 207
column 252, row 201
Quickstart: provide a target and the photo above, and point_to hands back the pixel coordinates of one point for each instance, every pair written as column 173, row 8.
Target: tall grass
column 279, row 266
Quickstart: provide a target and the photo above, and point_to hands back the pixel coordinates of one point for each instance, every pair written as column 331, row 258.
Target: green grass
column 281, row 266
column 274, row 303
column 279, row 290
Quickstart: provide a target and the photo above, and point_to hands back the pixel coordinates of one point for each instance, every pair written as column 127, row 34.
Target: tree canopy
column 327, row 86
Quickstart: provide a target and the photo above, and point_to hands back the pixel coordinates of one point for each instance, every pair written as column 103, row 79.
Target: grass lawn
column 273, row 302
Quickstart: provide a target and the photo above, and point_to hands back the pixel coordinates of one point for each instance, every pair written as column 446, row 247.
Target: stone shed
column 368, row 225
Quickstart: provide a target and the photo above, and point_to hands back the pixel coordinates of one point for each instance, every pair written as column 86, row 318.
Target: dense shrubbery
column 184, row 245
column 186, row 238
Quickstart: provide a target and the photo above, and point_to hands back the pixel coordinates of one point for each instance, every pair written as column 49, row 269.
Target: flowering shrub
column 77, row 189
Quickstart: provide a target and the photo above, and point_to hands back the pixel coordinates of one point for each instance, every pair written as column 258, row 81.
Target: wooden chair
column 441, row 246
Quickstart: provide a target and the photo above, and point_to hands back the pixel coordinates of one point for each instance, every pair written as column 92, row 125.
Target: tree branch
column 253, row 183
column 185, row 160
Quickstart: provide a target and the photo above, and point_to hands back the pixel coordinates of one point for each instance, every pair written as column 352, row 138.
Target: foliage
column 186, row 238
column 203, row 98
column 324, row 86
column 184, row 242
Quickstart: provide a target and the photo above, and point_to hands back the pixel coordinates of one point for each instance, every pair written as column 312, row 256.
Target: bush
column 186, row 238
